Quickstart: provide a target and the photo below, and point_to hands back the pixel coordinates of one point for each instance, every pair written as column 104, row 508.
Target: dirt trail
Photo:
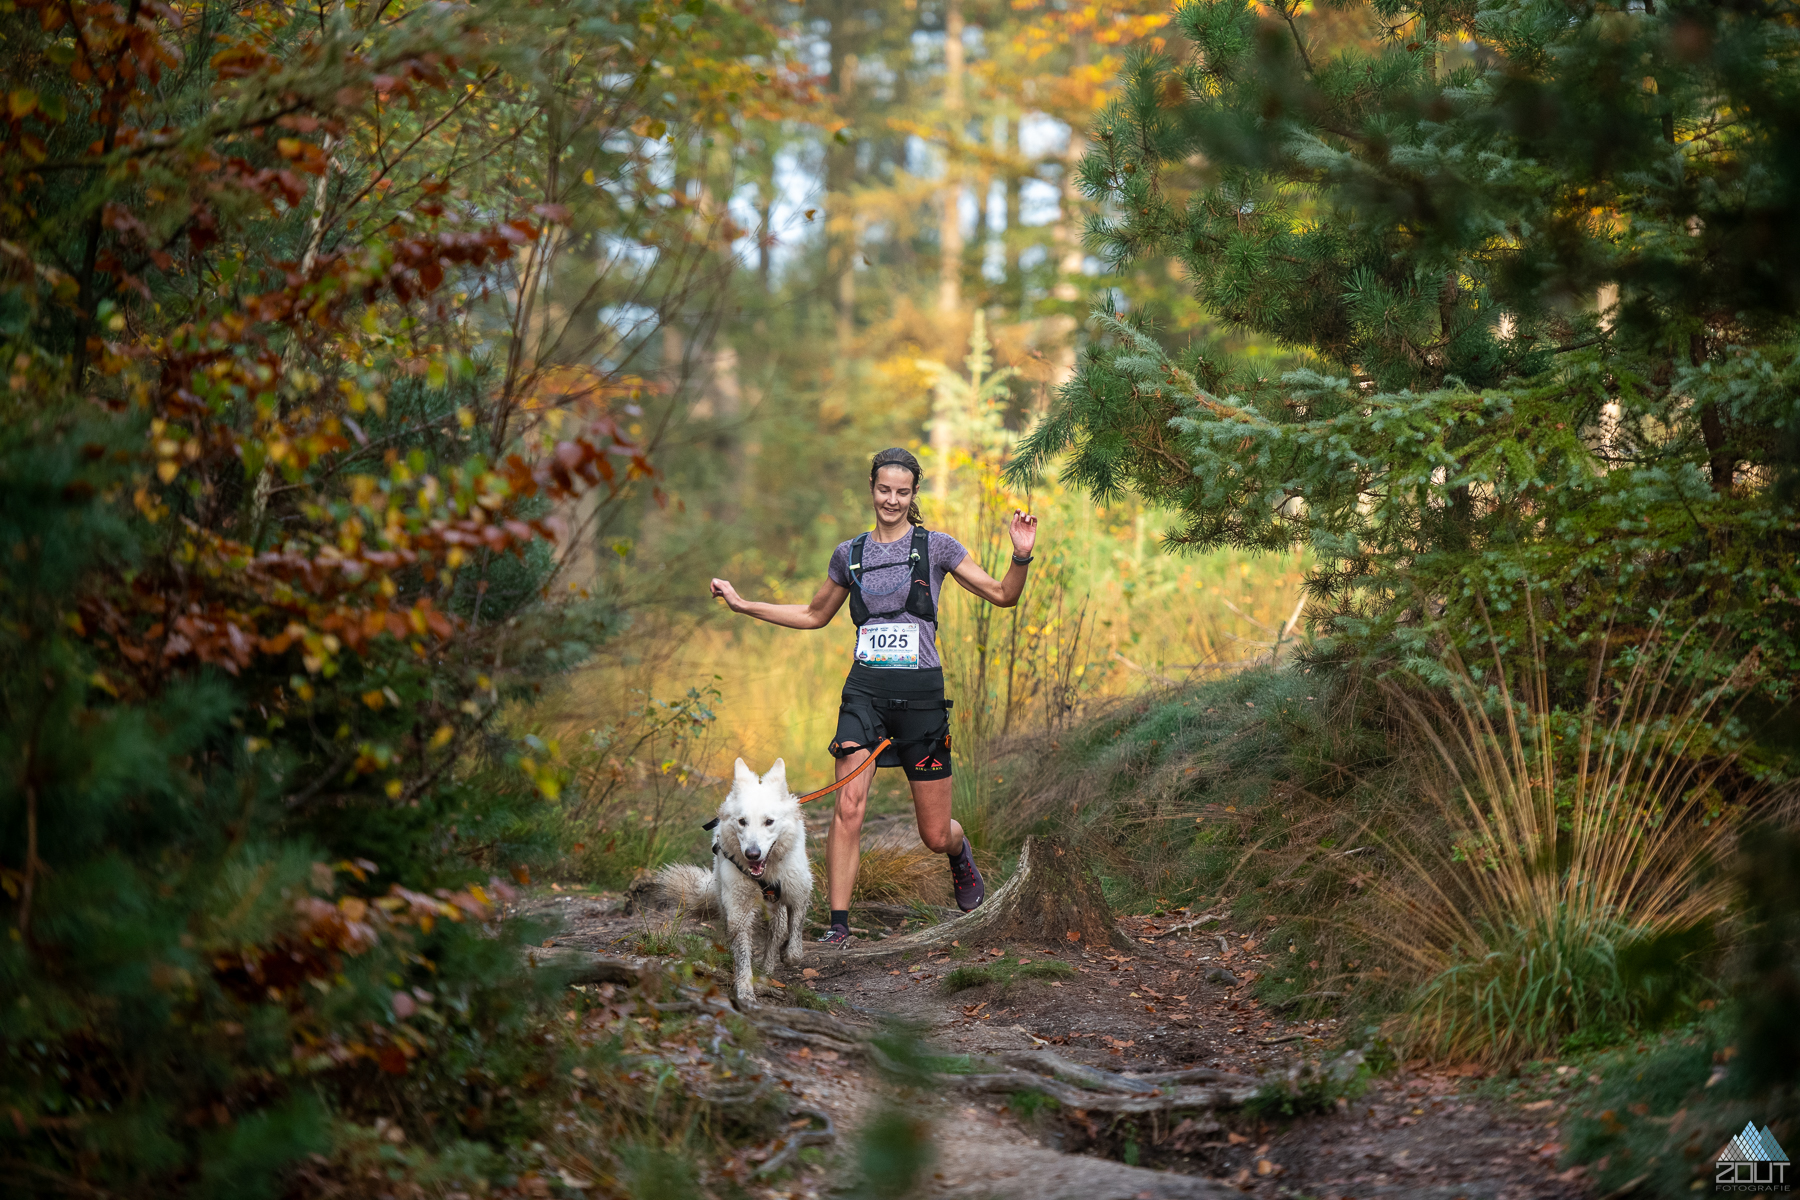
column 1412, row 1134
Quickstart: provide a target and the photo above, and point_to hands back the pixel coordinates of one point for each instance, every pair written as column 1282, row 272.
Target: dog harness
column 771, row 891
column 918, row 597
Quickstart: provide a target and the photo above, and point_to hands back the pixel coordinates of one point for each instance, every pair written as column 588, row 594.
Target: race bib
column 893, row 645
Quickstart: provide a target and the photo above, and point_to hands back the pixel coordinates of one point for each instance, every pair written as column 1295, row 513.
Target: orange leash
column 868, row 762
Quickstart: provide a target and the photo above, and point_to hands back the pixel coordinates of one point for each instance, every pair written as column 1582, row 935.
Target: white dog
column 759, row 869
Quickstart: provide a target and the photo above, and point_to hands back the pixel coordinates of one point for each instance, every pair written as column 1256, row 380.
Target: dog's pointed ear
column 777, row 775
column 744, row 773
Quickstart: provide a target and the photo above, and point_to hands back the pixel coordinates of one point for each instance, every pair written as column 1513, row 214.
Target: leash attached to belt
column 868, row 762
column 883, row 744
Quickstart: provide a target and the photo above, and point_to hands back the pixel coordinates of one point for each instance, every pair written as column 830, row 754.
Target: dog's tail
column 688, row 888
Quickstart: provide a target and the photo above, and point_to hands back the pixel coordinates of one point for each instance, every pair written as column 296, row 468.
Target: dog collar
column 771, row 891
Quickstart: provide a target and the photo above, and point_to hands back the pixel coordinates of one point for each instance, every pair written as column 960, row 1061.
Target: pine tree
column 1529, row 261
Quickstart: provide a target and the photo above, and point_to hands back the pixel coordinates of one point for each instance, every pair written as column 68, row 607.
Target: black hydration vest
column 918, row 597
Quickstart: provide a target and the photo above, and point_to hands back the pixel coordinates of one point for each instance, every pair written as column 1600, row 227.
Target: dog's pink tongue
column 756, row 868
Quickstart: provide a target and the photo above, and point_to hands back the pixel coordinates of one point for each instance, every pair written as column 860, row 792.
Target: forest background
column 385, row 382
column 371, row 368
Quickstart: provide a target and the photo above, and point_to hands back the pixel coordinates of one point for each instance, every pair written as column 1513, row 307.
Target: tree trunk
column 1052, row 899
column 765, row 239
column 950, row 239
column 840, row 172
column 1009, row 147
column 1065, row 235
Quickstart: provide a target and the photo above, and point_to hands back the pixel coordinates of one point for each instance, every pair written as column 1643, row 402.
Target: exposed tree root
column 1071, row 1084
column 784, row 1149
column 1052, row 899
column 1173, row 1100
column 586, row 967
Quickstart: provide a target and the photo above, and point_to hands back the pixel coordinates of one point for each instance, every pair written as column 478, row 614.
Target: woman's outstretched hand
column 1024, row 535
column 723, row 590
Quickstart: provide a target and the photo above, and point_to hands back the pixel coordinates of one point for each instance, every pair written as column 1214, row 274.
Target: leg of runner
column 843, row 845
column 943, row 834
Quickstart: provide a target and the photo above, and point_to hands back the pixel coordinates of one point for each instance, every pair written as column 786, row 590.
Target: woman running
column 892, row 576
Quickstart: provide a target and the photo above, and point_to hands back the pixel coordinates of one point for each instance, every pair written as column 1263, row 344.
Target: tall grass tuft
column 895, row 868
column 1578, row 840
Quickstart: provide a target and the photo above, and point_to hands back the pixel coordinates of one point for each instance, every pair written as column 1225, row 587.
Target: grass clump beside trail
column 1004, row 972
column 801, row 996
column 895, row 867
column 1575, row 892
column 688, row 947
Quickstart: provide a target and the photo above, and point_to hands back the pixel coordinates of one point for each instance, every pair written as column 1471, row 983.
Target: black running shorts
column 907, row 706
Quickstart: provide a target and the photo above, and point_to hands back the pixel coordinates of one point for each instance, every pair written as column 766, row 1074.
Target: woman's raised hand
column 723, row 590
column 1024, row 533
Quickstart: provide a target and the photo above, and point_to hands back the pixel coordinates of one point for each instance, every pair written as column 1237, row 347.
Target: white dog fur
column 759, row 829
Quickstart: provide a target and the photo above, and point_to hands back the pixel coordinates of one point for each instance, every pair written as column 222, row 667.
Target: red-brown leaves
column 241, row 60
column 261, row 380
column 309, row 957
column 305, row 156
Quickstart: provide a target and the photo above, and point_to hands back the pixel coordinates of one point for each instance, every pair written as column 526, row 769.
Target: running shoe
column 837, row 935
column 970, row 890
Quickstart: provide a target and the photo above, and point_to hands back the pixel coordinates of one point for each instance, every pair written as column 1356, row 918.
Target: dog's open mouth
column 756, row 869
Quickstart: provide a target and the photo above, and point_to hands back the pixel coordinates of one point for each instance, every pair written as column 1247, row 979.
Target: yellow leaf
column 166, row 471
column 587, row 177
column 442, row 737
column 374, row 699
column 21, row 103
